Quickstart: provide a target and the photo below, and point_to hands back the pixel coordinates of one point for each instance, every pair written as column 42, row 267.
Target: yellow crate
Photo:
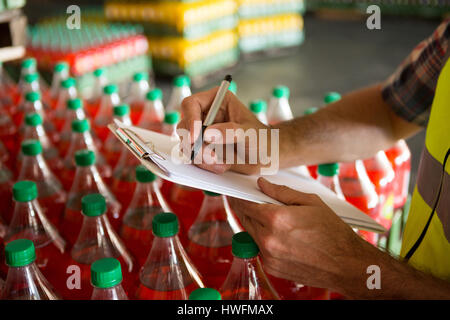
column 272, row 24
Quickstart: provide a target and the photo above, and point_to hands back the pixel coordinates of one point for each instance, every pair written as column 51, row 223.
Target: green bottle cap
column 331, row 97
column 99, row 72
column 32, row 96
column 93, row 205
column 181, row 81
column 29, row 78
column 205, row 294
column 328, row 169
column 281, row 92
column 211, row 194
column 139, row 76
column 155, row 94
column 310, row 111
column 68, row 83
column 19, row 253
column 74, row 104
column 233, row 87
column 84, row 158
column 60, row 67
column 106, row 273
column 144, row 175
column 110, row 89
column 121, row 110
column 243, row 246
column 172, row 117
column 165, row 225
column 33, row 119
column 257, row 106
column 28, row 63
column 24, row 191
column 31, row 147
column 80, row 126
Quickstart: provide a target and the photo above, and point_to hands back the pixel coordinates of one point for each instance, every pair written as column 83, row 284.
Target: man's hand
column 233, row 114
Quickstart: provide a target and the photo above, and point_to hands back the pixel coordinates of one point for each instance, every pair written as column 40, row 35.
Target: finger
column 259, row 212
column 287, row 195
column 224, row 133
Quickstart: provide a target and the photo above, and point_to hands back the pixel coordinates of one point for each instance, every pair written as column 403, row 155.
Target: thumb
column 287, row 195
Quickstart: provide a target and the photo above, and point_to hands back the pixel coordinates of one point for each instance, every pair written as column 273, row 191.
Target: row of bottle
column 376, row 186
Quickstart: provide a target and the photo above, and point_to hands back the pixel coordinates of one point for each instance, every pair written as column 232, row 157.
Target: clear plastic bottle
column 106, row 279
column 74, row 111
column 28, row 83
column 8, row 135
column 329, row 177
column 29, row 221
column 279, row 109
column 259, row 109
column 60, row 73
column 246, row 279
column 180, row 90
column 136, row 98
column 68, row 91
column 205, row 294
column 153, row 114
column 100, row 81
column 311, row 168
column 29, row 66
column 111, row 148
column 82, row 139
column 87, row 180
column 168, row 273
column 96, row 240
column 104, row 116
column 24, row 280
column 210, row 239
column 34, row 129
column 400, row 158
column 171, row 120
column 52, row 196
column 6, row 183
column 147, row 201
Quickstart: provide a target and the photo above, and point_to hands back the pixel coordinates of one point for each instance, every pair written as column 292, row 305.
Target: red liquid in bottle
column 400, row 158
column 144, row 293
column 137, row 241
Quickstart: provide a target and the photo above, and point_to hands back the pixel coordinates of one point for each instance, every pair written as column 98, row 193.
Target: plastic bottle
column 382, row 175
column 259, row 109
column 100, row 81
column 400, row 158
column 24, row 280
column 180, row 90
column 171, row 120
column 96, row 240
column 34, row 129
column 82, row 139
column 29, row 82
column 153, row 114
column 168, row 273
column 112, row 149
column 106, row 279
column 279, row 109
column 329, row 177
column 52, row 196
column 87, row 180
column 147, row 201
column 136, row 99
column 8, row 90
column 205, row 294
column 74, row 111
column 8, row 134
column 29, row 66
column 60, row 73
column 29, row 221
column 67, row 92
column 311, row 168
column 246, row 279
column 104, row 116
column 6, row 183
column 210, row 239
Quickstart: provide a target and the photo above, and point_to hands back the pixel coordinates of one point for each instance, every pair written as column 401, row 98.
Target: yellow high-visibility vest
column 432, row 256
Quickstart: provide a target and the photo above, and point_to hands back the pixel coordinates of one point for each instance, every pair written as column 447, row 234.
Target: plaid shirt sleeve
column 410, row 90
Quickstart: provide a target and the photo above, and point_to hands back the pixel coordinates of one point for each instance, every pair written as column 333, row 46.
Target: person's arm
column 306, row 242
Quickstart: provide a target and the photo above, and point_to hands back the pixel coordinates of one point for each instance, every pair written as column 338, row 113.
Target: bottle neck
column 65, row 95
column 38, row 133
column 100, row 82
column 108, row 102
column 56, row 82
column 79, row 141
column 114, row 293
column 139, row 89
column 72, row 115
column 35, row 168
column 279, row 110
column 153, row 112
column 332, row 183
column 177, row 96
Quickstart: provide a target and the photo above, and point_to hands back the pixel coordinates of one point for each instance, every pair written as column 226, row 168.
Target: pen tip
column 228, row 78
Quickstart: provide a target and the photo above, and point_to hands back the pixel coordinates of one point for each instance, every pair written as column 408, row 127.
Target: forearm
column 398, row 280
column 355, row 127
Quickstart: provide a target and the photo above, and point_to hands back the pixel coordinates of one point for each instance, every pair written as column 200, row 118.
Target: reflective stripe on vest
column 433, row 254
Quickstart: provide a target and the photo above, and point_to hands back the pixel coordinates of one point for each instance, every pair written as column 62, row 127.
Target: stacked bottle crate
column 269, row 24
column 120, row 49
column 196, row 38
